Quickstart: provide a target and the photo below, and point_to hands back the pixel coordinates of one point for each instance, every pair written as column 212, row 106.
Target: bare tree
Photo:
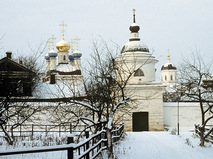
column 15, row 113
column 104, row 86
column 194, row 77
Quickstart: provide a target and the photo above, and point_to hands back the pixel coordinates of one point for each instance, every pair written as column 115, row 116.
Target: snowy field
column 144, row 145
column 162, row 145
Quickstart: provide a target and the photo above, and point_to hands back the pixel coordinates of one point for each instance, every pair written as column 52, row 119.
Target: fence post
column 87, row 144
column 20, row 130
column 46, row 129
column 70, row 139
column 70, row 128
column 32, row 130
column 59, row 130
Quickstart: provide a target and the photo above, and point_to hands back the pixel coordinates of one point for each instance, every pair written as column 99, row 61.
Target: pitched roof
column 6, row 64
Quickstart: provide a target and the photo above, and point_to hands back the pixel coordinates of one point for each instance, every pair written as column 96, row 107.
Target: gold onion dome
column 63, row 46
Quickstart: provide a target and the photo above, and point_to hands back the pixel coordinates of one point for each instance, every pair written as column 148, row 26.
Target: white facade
column 63, row 57
column 136, row 60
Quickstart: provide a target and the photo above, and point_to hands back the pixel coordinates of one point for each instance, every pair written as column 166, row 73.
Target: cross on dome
column 72, row 42
column 48, row 43
column 63, row 29
column 133, row 15
column 53, row 39
column 76, row 41
column 168, row 57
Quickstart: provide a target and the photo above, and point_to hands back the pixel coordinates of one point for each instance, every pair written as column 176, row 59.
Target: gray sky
column 179, row 25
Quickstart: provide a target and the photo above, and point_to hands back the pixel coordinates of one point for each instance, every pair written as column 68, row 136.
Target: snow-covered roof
column 64, row 68
column 133, row 46
column 58, row 90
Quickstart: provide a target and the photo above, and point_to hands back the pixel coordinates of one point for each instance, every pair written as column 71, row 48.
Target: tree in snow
column 196, row 84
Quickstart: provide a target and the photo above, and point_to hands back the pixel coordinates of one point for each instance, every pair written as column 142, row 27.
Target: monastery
column 151, row 113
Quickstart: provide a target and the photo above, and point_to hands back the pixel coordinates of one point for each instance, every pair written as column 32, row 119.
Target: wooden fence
column 90, row 148
column 31, row 129
column 210, row 136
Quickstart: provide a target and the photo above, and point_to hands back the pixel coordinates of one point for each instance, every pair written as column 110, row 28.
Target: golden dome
column 63, row 46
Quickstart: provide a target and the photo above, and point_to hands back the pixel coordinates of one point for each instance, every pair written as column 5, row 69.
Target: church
column 150, row 113
column 62, row 65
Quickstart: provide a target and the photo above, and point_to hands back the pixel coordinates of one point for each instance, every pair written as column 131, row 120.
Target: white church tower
column 168, row 73
column 136, row 60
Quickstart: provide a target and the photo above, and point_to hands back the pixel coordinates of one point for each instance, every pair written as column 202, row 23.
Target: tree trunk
column 109, row 144
column 7, row 137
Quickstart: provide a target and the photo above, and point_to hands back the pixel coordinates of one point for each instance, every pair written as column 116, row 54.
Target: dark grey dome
column 168, row 66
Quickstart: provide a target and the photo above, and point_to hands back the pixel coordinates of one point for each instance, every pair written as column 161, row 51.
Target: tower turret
column 135, row 57
column 77, row 56
column 168, row 72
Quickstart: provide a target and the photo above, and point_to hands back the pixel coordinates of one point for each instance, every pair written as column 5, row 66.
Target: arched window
column 64, row 57
column 165, row 78
column 171, row 77
column 139, row 72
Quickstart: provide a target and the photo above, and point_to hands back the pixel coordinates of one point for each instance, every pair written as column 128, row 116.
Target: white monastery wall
column 189, row 114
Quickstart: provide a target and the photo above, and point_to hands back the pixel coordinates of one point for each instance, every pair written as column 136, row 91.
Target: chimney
column 52, row 78
column 20, row 62
column 9, row 54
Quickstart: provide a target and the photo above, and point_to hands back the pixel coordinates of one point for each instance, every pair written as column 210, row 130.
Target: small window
column 171, row 77
column 165, row 78
column 139, row 72
column 64, row 57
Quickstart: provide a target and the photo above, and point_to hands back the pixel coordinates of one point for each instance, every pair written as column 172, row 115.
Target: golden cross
column 168, row 57
column 133, row 11
column 48, row 42
column 76, row 41
column 133, row 15
column 63, row 29
column 53, row 39
column 72, row 42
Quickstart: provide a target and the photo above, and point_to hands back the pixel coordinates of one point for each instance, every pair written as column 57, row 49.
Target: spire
column 134, row 28
column 168, row 57
column 63, row 29
column 133, row 15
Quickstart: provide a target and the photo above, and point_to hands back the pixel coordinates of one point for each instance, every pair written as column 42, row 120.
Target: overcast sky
column 178, row 25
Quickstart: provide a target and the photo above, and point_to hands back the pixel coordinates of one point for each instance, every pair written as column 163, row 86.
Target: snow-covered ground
column 147, row 145
column 162, row 145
